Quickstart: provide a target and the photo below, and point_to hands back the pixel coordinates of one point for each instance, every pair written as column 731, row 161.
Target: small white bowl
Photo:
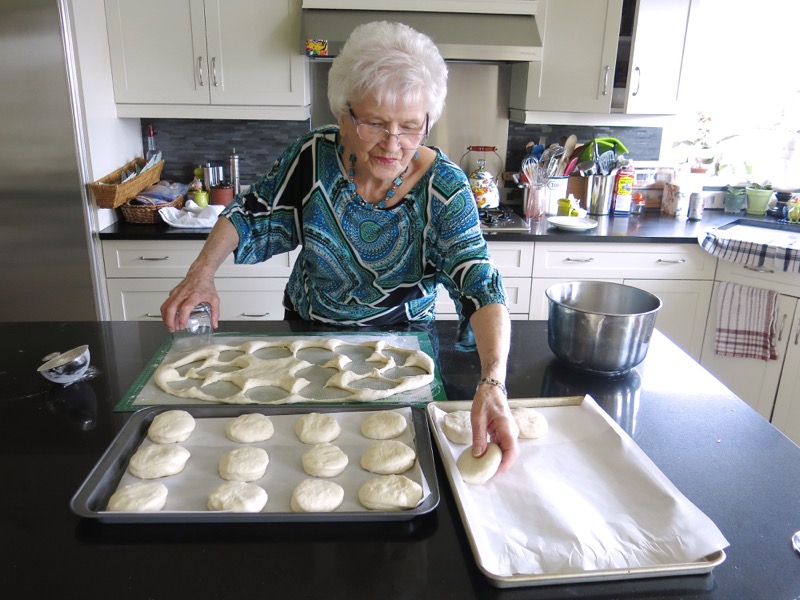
column 66, row 367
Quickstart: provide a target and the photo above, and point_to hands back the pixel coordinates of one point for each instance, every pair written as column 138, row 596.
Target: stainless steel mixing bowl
column 600, row 327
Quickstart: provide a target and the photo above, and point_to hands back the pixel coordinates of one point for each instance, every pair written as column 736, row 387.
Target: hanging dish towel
column 746, row 319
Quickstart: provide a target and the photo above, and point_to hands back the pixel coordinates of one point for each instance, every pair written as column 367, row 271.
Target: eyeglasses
column 376, row 134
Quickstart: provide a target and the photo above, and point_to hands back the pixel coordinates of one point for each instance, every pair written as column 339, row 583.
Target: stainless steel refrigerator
column 48, row 268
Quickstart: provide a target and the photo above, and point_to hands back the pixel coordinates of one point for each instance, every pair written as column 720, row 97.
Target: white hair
column 391, row 62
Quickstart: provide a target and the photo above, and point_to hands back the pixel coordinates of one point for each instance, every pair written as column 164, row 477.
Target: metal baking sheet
column 283, row 473
column 703, row 566
column 144, row 392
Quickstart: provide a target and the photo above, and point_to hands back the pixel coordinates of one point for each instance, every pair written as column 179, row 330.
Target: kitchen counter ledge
column 652, row 227
column 720, row 453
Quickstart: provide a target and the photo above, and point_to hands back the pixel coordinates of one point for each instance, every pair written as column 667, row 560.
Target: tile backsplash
column 187, row 143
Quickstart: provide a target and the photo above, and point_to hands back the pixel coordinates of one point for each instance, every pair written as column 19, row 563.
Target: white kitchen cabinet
column 656, row 56
column 140, row 274
column 771, row 387
column 514, row 7
column 213, row 58
column 585, row 52
column 579, row 49
column 514, row 261
column 681, row 275
column 240, row 299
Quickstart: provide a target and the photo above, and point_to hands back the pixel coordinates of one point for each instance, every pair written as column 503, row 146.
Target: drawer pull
column 578, row 260
column 152, row 316
column 758, row 270
column 678, row 261
column 252, row 316
column 783, row 324
column 154, row 258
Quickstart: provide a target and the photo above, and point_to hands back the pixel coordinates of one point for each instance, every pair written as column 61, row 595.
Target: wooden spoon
column 569, row 146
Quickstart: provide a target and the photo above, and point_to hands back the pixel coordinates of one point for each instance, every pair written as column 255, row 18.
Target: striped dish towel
column 746, row 319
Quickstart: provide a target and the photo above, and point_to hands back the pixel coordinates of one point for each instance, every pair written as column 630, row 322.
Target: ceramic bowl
column 66, row 367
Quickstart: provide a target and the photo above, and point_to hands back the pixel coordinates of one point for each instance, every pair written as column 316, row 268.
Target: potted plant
column 734, row 199
column 758, row 196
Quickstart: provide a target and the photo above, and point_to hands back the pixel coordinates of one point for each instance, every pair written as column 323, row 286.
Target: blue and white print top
column 360, row 265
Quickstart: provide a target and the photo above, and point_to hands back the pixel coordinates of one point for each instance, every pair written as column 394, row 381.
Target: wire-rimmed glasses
column 376, row 134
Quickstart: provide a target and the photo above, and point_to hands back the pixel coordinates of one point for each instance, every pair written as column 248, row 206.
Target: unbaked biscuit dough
column 158, row 460
column 457, row 427
column 171, row 426
column 250, row 428
column 317, row 495
column 390, row 492
column 479, row 470
column 531, row 423
column 244, row 464
column 146, row 496
column 247, row 371
column 388, row 457
column 315, row 428
column 324, row 460
column 383, row 425
column 238, row 496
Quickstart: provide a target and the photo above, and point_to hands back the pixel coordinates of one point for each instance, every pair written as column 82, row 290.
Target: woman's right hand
column 184, row 297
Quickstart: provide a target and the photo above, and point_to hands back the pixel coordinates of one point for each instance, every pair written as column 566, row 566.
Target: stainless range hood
column 458, row 35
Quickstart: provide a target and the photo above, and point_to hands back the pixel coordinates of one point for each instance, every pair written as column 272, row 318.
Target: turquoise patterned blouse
column 361, row 265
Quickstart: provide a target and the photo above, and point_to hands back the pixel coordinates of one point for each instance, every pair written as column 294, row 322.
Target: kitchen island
column 720, row 453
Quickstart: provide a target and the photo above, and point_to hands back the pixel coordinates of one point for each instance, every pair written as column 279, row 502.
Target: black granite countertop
column 729, row 461
column 652, row 227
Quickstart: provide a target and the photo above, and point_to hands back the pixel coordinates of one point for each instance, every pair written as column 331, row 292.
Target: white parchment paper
column 189, row 490
column 583, row 497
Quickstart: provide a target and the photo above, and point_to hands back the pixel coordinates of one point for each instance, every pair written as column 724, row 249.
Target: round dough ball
column 388, row 457
column 244, row 464
column 315, row 428
column 171, row 426
column 250, row 428
column 147, row 496
column 238, row 496
column 317, row 495
column 532, row 424
column 158, row 460
column 383, row 425
column 324, row 460
column 457, row 427
column 390, row 492
column 479, row 470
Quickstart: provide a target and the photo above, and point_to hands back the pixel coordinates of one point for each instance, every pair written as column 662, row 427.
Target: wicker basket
column 111, row 194
column 147, row 213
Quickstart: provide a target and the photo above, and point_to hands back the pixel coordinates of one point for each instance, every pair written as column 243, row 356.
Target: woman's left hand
column 492, row 421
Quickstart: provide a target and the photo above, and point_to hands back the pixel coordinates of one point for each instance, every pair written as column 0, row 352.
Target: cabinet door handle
column 782, row 327
column 253, row 316
column 797, row 333
column 638, row 80
column 758, row 270
column 200, row 71
column 605, row 80
column 678, row 261
column 154, row 258
column 578, row 260
column 214, row 71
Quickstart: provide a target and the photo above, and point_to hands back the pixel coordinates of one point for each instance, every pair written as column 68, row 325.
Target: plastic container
column 623, row 188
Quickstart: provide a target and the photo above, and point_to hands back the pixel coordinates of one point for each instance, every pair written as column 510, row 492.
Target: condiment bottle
column 623, row 188
column 151, row 143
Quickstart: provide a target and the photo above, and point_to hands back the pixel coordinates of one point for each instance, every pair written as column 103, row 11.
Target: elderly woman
column 380, row 218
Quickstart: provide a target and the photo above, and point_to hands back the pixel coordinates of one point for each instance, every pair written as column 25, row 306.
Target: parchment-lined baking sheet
column 144, row 392
column 189, row 490
column 582, row 503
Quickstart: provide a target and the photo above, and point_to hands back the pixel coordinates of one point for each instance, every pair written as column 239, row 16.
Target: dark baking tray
column 92, row 496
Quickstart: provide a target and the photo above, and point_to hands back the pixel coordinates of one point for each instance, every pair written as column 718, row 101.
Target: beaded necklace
column 351, row 186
